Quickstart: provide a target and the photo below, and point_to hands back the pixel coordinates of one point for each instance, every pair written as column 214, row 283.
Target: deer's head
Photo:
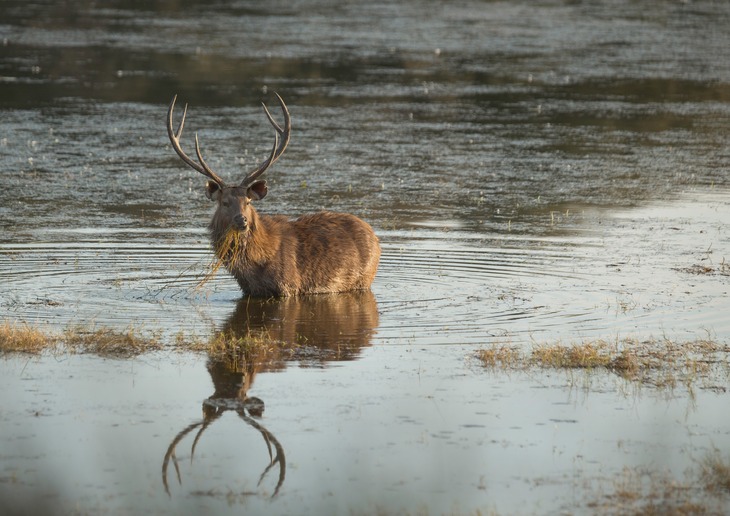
column 234, row 209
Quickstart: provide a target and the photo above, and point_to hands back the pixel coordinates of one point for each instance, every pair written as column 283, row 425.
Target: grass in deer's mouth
column 231, row 244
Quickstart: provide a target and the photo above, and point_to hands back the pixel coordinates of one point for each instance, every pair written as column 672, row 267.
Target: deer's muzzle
column 240, row 222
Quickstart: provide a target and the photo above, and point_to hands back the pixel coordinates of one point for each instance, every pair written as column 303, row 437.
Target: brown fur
column 276, row 256
column 272, row 255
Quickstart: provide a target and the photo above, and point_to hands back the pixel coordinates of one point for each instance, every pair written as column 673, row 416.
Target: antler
column 281, row 141
column 279, row 459
column 201, row 167
column 220, row 406
column 171, row 453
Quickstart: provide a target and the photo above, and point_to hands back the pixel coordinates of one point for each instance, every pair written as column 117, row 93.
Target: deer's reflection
column 320, row 327
column 332, row 326
column 231, row 373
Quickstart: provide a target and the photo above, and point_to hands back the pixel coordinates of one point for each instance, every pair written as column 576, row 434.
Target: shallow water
column 537, row 172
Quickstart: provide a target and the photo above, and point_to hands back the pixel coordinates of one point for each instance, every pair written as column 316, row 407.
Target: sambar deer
column 272, row 256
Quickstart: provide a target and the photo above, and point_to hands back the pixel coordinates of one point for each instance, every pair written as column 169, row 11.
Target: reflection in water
column 324, row 326
column 213, row 408
column 331, row 326
column 230, row 394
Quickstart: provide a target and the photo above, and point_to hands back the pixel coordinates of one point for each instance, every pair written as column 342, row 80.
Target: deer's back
column 336, row 252
column 316, row 253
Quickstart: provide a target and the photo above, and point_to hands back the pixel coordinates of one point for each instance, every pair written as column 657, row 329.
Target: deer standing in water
column 273, row 256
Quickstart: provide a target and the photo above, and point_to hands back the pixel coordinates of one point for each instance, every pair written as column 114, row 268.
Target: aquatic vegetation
column 657, row 362
column 109, row 341
column 643, row 492
column 500, row 356
column 20, row 337
column 238, row 351
column 715, row 472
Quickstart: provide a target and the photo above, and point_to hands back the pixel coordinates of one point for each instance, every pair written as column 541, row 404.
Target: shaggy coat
column 276, row 256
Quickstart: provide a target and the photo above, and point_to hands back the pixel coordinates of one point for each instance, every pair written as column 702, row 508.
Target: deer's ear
column 212, row 190
column 257, row 191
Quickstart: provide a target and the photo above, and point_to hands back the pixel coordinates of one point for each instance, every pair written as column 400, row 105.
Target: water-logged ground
column 538, row 172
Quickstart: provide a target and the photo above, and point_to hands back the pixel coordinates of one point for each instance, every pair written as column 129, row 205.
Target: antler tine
column 171, row 454
column 282, row 138
column 253, row 175
column 201, row 167
column 285, row 134
column 279, row 459
column 206, row 424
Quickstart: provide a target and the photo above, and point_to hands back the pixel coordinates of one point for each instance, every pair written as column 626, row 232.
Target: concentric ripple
column 430, row 289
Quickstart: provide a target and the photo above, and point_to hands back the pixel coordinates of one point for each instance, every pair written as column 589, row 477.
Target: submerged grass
column 715, row 472
column 658, row 362
column 643, row 492
column 704, row 489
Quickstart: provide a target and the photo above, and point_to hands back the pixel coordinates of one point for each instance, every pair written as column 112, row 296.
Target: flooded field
column 541, row 175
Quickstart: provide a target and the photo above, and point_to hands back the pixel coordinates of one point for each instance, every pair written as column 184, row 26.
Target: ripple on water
column 431, row 288
column 437, row 294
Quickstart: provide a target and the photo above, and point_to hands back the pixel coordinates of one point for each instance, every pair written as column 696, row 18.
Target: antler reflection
column 231, row 382
column 217, row 407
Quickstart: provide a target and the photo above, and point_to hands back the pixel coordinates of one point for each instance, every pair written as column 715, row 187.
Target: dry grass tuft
column 110, row 342
column 239, row 352
column 232, row 244
column 502, row 356
column 646, row 491
column 650, row 493
column 582, row 356
column 662, row 362
column 722, row 269
column 715, row 472
column 23, row 338
column 252, row 347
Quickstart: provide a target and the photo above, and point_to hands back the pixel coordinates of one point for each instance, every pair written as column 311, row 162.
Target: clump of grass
column 230, row 346
column 722, row 269
column 582, row 356
column 662, row 363
column 22, row 338
column 225, row 249
column 499, row 356
column 715, row 472
column 645, row 492
column 110, row 342
column 238, row 351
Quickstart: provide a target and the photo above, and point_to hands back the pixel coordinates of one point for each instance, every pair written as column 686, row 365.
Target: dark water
column 536, row 171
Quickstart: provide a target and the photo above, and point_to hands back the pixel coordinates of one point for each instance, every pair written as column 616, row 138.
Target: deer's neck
column 262, row 240
column 235, row 248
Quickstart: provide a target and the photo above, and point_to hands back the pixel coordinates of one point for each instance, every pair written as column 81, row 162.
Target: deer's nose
column 240, row 221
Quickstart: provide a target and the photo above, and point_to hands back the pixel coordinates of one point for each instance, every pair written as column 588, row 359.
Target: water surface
column 537, row 172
